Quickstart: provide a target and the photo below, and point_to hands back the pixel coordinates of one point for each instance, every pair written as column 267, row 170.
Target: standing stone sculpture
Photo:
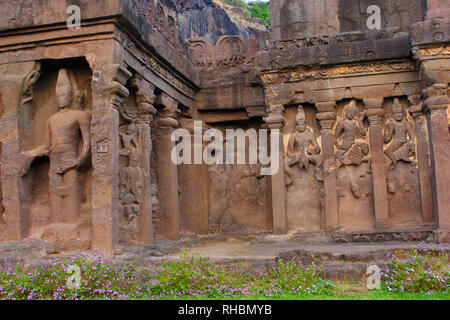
column 131, row 179
column 65, row 130
column 302, row 149
column 401, row 134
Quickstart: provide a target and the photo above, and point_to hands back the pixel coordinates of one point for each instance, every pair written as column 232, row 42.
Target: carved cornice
column 154, row 65
column 432, row 52
column 315, row 73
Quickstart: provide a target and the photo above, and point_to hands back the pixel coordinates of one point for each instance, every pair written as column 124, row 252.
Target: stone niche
column 353, row 164
column 304, row 177
column 402, row 177
column 293, row 19
column 59, row 205
column 237, row 194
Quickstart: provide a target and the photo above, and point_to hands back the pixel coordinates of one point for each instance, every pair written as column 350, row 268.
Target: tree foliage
column 255, row 9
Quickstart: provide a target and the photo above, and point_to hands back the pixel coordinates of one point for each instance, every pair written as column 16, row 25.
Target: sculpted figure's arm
column 410, row 131
column 44, row 149
column 291, row 146
column 84, row 122
column 361, row 128
column 389, row 132
column 315, row 149
column 337, row 133
column 41, row 151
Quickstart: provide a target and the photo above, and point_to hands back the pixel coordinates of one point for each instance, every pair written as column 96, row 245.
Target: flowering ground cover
column 416, row 276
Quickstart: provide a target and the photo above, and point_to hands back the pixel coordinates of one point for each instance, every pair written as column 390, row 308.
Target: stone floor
column 339, row 261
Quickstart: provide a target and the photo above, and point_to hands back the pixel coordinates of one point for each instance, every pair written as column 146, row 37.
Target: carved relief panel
column 56, row 162
column 353, row 166
column 135, row 145
column 401, row 164
column 303, row 169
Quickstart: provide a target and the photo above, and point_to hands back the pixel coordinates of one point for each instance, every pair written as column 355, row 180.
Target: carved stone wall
column 237, row 196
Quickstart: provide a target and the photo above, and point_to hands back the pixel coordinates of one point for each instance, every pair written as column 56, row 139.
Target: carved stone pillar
column 327, row 116
column 423, row 157
column 145, row 98
column 16, row 90
column 375, row 111
column 275, row 120
column 193, row 181
column 437, row 103
column 167, row 170
column 108, row 91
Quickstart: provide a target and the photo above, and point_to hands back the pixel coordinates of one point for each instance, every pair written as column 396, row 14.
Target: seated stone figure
column 303, row 149
column 64, row 131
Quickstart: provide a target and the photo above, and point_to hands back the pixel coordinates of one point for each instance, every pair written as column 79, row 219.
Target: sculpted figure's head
column 351, row 110
column 301, row 119
column 397, row 110
column 64, row 90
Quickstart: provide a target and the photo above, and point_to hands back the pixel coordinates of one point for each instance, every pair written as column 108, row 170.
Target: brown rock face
column 292, row 19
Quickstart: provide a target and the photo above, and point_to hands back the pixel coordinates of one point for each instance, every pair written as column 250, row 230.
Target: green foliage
column 419, row 273
column 254, row 9
column 415, row 276
column 190, row 277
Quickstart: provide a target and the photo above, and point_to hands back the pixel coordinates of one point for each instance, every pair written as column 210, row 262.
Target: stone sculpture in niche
column 132, row 176
column 302, row 149
column 64, row 132
column 401, row 133
column 350, row 127
column 350, row 151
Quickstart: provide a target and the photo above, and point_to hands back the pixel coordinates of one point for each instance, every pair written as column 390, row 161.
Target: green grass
column 415, row 276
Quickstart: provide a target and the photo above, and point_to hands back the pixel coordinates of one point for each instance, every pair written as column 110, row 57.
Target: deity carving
column 401, row 136
column 303, row 149
column 131, row 176
column 68, row 147
column 350, row 151
column 351, row 127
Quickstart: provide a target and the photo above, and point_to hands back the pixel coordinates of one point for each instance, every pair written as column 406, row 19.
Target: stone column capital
column 329, row 106
column 416, row 108
column 374, row 110
column 437, row 100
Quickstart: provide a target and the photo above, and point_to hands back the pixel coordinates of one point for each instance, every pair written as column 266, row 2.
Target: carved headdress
column 301, row 114
column 351, row 110
column 64, row 90
column 397, row 107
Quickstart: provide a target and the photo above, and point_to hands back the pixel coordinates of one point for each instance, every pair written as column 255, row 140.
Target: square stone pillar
column 278, row 183
column 375, row 111
column 437, row 103
column 327, row 116
column 193, row 180
column 16, row 90
column 145, row 98
column 167, row 171
column 423, row 157
column 108, row 92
